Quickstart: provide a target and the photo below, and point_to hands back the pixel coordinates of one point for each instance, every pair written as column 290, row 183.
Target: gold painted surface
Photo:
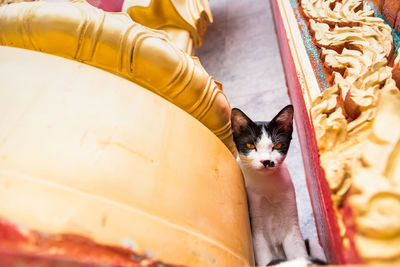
column 112, row 41
column 176, row 17
column 357, row 122
column 181, row 38
column 86, row 152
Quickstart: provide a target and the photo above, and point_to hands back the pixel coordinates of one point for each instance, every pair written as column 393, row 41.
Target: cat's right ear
column 239, row 121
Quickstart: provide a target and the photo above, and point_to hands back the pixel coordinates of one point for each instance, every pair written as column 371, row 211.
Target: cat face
column 262, row 146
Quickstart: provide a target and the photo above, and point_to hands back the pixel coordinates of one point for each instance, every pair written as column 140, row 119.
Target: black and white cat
column 262, row 148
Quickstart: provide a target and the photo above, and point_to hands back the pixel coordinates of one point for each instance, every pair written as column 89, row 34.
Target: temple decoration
column 185, row 22
column 355, row 118
column 375, row 194
column 112, row 41
column 84, row 152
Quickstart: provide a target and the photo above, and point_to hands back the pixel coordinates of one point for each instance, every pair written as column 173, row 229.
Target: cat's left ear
column 240, row 122
column 284, row 120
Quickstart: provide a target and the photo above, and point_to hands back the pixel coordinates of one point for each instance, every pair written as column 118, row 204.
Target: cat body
column 262, row 148
column 272, row 205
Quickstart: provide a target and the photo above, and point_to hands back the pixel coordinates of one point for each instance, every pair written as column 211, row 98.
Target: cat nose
column 265, row 162
column 268, row 163
column 272, row 164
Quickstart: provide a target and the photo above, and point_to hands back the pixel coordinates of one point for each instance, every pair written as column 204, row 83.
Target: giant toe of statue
column 88, row 153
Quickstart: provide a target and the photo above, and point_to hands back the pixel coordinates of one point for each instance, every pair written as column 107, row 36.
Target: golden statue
column 87, row 148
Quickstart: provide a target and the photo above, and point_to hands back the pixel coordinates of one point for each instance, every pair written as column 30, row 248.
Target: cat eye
column 277, row 146
column 250, row 146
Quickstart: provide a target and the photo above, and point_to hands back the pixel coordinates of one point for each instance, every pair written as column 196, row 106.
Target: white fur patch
column 316, row 250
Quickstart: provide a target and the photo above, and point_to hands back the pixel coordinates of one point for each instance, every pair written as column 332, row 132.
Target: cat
column 262, row 148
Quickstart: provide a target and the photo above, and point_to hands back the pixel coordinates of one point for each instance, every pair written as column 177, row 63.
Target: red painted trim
column 12, row 258
column 107, row 5
column 325, row 217
column 20, row 246
column 350, row 254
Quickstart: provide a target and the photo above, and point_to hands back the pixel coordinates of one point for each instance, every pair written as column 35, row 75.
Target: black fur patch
column 307, row 243
column 279, row 130
column 313, row 260
column 275, row 262
column 316, row 261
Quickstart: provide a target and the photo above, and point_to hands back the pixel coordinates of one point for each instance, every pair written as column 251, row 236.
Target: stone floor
column 241, row 50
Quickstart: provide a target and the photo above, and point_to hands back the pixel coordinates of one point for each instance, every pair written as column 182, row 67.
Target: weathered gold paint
column 84, row 151
column 112, row 41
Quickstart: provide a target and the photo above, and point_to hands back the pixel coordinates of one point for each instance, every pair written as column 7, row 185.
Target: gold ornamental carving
column 357, row 121
column 113, row 42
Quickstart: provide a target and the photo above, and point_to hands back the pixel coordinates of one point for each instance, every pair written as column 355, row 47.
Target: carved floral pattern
column 357, row 121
